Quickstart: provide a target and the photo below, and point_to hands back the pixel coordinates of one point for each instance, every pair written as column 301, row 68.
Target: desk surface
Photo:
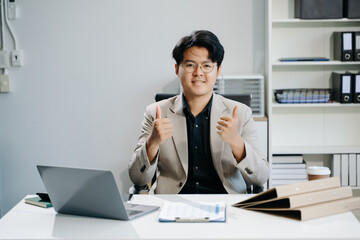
column 30, row 222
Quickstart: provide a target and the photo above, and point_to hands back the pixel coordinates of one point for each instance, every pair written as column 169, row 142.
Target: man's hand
column 227, row 128
column 161, row 130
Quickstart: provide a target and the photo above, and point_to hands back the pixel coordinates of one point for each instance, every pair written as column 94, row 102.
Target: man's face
column 199, row 82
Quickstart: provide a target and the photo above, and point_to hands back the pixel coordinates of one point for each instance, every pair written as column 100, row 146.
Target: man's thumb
column 158, row 112
column 235, row 112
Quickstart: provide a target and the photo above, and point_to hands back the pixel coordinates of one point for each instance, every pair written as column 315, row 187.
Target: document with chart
column 192, row 212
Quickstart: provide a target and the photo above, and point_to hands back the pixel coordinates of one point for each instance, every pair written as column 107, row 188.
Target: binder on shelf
column 341, row 86
column 305, row 200
column 336, row 165
column 358, row 169
column 356, row 44
column 318, row 9
column 344, row 169
column 343, row 46
column 356, row 87
column 352, row 170
column 351, row 9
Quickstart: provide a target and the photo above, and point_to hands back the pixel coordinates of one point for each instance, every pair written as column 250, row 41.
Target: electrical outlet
column 4, row 83
column 4, row 59
column 16, row 58
column 13, row 11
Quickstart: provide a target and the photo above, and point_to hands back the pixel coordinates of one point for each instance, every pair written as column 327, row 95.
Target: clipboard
column 192, row 212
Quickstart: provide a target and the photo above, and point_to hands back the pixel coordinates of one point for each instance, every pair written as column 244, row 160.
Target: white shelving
column 343, row 20
column 315, row 105
column 319, row 63
column 317, row 149
column 307, row 128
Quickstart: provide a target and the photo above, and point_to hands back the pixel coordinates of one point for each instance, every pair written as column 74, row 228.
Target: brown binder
column 305, row 200
column 316, row 210
column 293, row 189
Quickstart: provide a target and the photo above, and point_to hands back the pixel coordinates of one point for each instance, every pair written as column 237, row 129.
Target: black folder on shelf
column 356, row 87
column 343, row 46
column 341, row 86
column 356, row 45
column 351, row 9
column 318, row 9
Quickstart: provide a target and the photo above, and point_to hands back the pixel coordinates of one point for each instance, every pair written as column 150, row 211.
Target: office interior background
column 89, row 70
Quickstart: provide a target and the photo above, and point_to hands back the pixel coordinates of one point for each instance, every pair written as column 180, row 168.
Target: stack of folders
column 347, row 168
column 347, row 46
column 287, row 169
column 305, row 200
column 345, row 87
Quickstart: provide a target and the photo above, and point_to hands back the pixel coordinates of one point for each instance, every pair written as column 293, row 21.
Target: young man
column 198, row 141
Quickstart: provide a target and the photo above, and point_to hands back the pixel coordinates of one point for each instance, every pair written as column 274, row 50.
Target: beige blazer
column 171, row 163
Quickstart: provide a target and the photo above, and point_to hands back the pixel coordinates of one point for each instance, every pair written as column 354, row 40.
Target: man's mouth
column 198, row 81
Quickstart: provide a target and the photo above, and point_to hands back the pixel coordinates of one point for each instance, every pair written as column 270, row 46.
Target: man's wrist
column 238, row 149
column 151, row 150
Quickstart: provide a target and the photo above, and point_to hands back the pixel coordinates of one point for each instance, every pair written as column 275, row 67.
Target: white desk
column 30, row 222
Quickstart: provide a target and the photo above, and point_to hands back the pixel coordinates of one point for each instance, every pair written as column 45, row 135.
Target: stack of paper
column 303, row 201
column 192, row 212
column 287, row 169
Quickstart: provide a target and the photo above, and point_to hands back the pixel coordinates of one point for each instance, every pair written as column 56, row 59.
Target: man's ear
column 176, row 69
column 219, row 70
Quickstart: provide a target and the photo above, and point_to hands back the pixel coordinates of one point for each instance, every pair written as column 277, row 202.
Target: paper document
column 192, row 212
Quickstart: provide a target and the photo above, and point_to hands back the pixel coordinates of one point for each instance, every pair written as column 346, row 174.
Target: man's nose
column 198, row 70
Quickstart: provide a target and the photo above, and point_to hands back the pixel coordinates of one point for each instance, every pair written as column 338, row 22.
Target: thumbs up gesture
column 227, row 127
column 161, row 130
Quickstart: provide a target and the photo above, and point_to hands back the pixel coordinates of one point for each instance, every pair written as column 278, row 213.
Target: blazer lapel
column 179, row 137
column 216, row 143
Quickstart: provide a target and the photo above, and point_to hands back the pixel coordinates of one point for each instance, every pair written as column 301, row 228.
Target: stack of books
column 37, row 201
column 288, row 169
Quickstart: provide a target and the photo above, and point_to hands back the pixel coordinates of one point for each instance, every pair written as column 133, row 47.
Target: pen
column 205, row 219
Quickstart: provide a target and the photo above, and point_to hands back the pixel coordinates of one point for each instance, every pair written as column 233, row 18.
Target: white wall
column 90, row 69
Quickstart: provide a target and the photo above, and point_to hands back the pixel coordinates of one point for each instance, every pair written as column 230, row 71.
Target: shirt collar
column 186, row 108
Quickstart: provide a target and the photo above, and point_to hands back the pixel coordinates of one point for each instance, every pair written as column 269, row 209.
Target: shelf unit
column 307, row 128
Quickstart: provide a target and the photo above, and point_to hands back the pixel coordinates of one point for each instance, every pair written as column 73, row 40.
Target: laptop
column 88, row 192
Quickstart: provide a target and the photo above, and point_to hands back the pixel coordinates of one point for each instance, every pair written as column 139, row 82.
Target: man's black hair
column 201, row 38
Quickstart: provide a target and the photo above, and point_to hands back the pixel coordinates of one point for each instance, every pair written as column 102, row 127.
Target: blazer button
column 180, row 184
column 248, row 171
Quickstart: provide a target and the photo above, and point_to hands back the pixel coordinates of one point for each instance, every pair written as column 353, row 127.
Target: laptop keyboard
column 133, row 212
column 130, row 209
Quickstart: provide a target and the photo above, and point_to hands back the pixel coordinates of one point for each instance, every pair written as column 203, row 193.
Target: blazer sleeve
column 254, row 167
column 141, row 171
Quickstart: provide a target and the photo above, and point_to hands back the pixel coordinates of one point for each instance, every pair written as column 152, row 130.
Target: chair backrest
column 243, row 98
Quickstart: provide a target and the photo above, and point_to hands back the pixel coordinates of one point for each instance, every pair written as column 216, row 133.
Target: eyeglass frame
column 201, row 66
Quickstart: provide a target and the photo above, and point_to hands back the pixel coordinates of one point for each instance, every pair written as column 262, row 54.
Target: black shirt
column 202, row 176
